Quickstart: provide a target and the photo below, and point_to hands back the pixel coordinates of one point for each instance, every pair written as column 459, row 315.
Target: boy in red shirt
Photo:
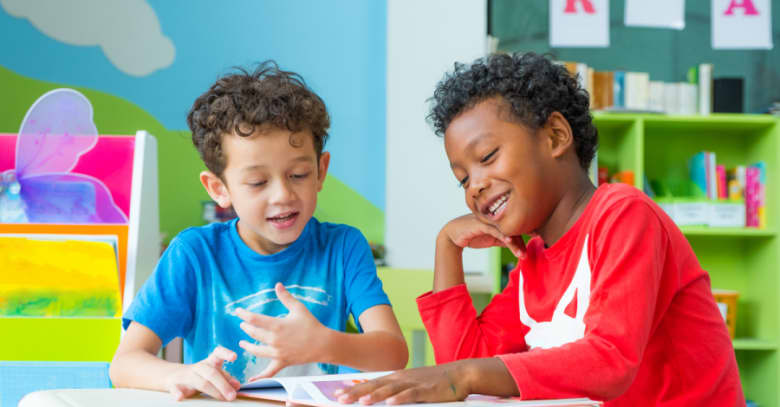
column 608, row 300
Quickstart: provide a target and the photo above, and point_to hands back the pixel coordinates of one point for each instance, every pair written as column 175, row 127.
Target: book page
column 319, row 391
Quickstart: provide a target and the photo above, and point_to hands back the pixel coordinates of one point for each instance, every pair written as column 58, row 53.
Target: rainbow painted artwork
column 58, row 278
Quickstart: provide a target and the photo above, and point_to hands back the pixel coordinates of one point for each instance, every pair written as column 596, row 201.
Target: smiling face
column 271, row 179
column 504, row 168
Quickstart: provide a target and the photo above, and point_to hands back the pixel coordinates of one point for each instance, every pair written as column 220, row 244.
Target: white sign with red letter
column 579, row 23
column 656, row 13
column 741, row 24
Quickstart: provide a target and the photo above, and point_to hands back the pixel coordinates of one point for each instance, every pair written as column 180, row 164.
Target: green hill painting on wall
column 180, row 191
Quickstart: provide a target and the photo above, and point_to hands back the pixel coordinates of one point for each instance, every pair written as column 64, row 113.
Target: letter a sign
column 579, row 23
column 741, row 24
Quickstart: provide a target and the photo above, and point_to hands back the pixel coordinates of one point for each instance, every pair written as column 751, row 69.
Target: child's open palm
column 286, row 341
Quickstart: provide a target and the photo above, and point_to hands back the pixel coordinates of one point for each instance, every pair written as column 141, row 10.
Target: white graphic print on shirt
column 267, row 303
column 562, row 329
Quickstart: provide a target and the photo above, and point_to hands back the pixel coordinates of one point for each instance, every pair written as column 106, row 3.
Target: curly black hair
column 244, row 101
column 532, row 85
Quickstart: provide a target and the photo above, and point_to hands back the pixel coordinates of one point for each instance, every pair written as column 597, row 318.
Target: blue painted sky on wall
column 338, row 46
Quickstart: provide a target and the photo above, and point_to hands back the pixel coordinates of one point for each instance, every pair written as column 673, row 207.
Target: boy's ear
column 322, row 169
column 216, row 188
column 561, row 137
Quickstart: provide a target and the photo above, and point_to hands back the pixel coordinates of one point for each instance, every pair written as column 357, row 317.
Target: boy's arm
column 136, row 365
column 455, row 329
column 457, row 332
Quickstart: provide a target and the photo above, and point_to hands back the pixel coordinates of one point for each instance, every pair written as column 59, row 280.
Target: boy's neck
column 569, row 208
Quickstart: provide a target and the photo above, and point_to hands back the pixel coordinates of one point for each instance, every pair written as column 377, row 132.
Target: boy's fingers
column 382, row 392
column 412, row 395
column 220, row 354
column 258, row 350
column 263, row 321
column 492, row 231
column 230, row 379
column 350, row 394
column 256, row 333
column 517, row 246
column 214, row 381
column 180, row 392
column 287, row 299
column 233, row 381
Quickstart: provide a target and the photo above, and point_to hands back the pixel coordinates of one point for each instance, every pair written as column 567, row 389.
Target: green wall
column 664, row 53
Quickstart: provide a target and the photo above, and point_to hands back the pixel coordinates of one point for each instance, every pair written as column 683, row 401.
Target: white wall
column 424, row 39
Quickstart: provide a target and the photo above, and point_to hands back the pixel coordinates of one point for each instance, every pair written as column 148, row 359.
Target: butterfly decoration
column 55, row 132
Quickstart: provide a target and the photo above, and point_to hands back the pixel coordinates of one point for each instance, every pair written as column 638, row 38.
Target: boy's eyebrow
column 302, row 158
column 472, row 143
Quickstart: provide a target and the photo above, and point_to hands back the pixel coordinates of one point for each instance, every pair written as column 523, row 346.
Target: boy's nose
column 282, row 193
column 478, row 185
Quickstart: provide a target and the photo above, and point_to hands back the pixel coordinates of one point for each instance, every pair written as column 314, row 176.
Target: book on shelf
column 704, row 83
column 755, row 202
column 637, row 90
column 715, row 195
column 603, row 89
column 625, row 91
column 619, row 89
column 320, row 391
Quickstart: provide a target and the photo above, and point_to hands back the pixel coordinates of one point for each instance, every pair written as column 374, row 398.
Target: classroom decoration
column 658, row 13
column 42, row 188
column 741, row 24
column 79, row 232
column 69, row 278
column 579, row 23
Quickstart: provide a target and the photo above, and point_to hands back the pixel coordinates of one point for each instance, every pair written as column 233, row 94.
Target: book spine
column 751, row 197
column 721, row 174
column 705, row 88
column 656, row 96
column 619, row 88
column 712, row 180
column 698, row 172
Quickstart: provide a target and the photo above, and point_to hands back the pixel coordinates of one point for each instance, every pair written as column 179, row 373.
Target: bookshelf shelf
column 754, row 344
column 732, row 232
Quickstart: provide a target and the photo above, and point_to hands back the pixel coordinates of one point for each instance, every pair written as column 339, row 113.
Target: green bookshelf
column 742, row 259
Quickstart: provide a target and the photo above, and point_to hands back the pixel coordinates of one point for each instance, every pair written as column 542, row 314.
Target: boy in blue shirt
column 270, row 291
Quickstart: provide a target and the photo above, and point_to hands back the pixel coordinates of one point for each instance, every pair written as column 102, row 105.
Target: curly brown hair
column 244, row 101
column 532, row 85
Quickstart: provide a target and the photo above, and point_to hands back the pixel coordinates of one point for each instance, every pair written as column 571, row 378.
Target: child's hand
column 286, row 341
column 468, row 231
column 421, row 385
column 206, row 376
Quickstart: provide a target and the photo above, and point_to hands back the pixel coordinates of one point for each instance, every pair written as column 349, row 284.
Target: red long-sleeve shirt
column 618, row 309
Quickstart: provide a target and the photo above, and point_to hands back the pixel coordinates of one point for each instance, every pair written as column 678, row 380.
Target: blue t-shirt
column 207, row 272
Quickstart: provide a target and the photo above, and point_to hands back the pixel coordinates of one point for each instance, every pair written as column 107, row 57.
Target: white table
column 125, row 398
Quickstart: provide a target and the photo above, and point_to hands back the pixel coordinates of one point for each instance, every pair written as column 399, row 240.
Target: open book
column 319, row 391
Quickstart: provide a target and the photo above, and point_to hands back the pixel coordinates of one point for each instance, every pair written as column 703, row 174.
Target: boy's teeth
column 497, row 204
